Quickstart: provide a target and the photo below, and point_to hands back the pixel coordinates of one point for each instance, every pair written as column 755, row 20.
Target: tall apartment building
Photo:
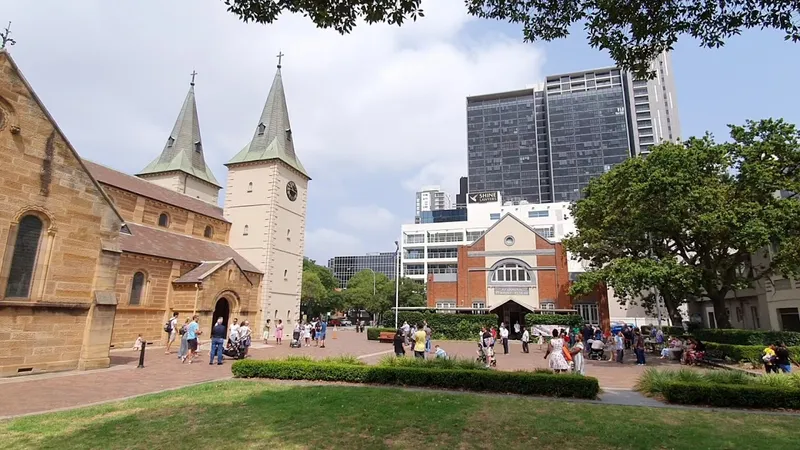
column 344, row 267
column 461, row 197
column 545, row 143
column 431, row 198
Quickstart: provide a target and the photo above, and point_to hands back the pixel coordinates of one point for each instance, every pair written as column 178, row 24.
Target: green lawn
column 250, row 414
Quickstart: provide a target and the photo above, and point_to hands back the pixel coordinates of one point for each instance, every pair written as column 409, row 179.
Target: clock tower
column 265, row 201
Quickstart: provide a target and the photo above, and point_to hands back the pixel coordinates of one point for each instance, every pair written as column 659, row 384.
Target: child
column 440, row 353
column 137, row 346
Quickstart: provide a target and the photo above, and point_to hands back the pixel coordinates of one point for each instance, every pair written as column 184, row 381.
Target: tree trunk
column 720, row 313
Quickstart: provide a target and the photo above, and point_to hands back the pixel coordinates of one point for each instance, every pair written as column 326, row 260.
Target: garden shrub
column 436, row 363
column 746, row 337
column 742, row 353
column 731, row 395
column 374, row 334
column 566, row 320
column 524, row 383
column 464, row 327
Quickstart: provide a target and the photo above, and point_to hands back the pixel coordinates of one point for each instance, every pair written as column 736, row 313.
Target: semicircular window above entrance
column 511, row 273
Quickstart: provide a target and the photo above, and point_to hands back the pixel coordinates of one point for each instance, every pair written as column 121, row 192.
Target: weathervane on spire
column 194, row 74
column 5, row 36
column 280, row 56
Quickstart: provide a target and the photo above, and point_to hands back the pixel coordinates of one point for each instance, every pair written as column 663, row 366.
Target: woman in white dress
column 577, row 355
column 307, row 334
column 555, row 350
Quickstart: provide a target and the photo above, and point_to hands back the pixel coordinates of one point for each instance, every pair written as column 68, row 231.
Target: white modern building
column 432, row 198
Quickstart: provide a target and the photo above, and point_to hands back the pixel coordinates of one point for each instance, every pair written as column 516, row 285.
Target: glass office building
column 344, row 267
column 544, row 144
column 443, row 215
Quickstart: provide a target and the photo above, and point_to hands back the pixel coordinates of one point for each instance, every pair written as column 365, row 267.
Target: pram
column 236, row 349
column 295, row 339
column 597, row 350
column 482, row 358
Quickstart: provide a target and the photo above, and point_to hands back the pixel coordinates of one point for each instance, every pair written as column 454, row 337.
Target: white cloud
column 366, row 218
column 384, row 101
column 325, row 243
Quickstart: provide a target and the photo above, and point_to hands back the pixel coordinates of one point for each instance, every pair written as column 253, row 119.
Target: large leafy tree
column 633, row 31
column 370, row 291
column 412, row 293
column 318, row 295
column 696, row 219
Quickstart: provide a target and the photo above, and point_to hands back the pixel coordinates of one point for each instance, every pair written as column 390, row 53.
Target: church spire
column 272, row 138
column 183, row 151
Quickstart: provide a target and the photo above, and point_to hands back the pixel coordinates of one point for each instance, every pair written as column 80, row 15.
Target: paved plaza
column 47, row 392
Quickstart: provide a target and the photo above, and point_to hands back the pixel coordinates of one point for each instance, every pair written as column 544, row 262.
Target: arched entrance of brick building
column 221, row 309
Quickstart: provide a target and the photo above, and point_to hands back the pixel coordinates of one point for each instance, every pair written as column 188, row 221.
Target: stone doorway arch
column 221, row 309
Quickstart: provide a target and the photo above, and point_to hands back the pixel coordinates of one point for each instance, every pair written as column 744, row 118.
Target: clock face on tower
column 291, row 190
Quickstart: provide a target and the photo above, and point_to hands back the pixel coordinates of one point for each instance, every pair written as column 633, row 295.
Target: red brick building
column 513, row 270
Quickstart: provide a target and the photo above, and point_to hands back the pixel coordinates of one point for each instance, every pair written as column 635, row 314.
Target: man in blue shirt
column 192, row 331
column 322, row 331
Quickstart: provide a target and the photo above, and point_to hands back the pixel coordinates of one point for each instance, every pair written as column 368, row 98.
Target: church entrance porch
column 221, row 309
column 511, row 312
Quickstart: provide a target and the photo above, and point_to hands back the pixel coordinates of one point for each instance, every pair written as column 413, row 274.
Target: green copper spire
column 183, row 151
column 273, row 135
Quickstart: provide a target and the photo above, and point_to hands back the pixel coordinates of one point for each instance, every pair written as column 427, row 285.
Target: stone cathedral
column 94, row 257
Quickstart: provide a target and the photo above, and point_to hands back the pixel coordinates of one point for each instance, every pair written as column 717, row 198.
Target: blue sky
column 375, row 114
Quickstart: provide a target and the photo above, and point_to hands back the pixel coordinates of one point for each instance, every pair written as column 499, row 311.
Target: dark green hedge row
column 374, row 334
column 731, row 395
column 746, row 337
column 524, row 383
column 566, row 320
column 743, row 353
column 448, row 326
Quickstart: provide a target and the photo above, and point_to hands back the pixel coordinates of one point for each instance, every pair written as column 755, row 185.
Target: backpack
column 182, row 331
column 168, row 327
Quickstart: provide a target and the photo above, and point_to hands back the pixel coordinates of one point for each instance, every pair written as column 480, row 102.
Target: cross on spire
column 280, row 56
column 194, row 74
column 6, row 39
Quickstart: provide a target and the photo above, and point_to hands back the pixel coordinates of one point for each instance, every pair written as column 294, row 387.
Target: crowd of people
column 418, row 338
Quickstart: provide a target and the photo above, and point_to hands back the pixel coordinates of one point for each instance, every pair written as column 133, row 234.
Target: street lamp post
column 397, row 282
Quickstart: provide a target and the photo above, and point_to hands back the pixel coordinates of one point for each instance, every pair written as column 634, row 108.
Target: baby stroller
column 482, row 358
column 596, row 350
column 236, row 349
column 295, row 339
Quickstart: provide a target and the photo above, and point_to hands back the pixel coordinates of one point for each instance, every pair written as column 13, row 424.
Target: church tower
column 265, row 201
column 181, row 166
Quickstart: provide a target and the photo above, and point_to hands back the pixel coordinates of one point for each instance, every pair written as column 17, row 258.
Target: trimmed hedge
column 464, row 327
column 731, row 395
column 374, row 334
column 567, row 320
column 746, row 337
column 740, row 353
column 524, row 383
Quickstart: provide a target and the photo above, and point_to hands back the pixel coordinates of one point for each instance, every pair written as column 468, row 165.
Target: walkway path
column 47, row 392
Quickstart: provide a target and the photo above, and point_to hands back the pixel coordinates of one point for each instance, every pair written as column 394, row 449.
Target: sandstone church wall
column 71, row 265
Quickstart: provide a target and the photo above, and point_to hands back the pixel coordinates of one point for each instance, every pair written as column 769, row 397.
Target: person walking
column 526, row 337
column 192, row 331
column 218, row 333
column 399, row 344
column 428, row 335
column 279, row 332
column 323, row 330
column 638, row 346
column 172, row 331
column 555, row 352
column 619, row 345
column 184, row 348
column 246, row 335
column 504, row 337
column 419, row 343
column 265, row 335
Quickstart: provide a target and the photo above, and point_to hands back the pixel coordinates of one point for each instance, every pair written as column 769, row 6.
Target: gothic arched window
column 209, row 232
column 163, row 220
column 23, row 262
column 137, row 287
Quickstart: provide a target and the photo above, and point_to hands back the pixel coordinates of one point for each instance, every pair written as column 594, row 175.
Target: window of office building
column 473, row 236
column 442, row 252
column 456, row 236
column 447, row 306
column 544, row 213
column 415, row 239
column 547, row 232
column 477, row 307
column 589, row 312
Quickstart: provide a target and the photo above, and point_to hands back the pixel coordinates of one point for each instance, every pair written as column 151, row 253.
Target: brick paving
column 47, row 392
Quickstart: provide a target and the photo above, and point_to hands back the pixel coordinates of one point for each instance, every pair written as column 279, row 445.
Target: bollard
column 141, row 356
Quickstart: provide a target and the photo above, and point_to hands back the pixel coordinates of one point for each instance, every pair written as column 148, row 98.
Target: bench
column 386, row 336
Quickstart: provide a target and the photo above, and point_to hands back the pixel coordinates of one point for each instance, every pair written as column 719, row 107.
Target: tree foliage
column 633, row 31
column 695, row 219
column 412, row 293
column 318, row 295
